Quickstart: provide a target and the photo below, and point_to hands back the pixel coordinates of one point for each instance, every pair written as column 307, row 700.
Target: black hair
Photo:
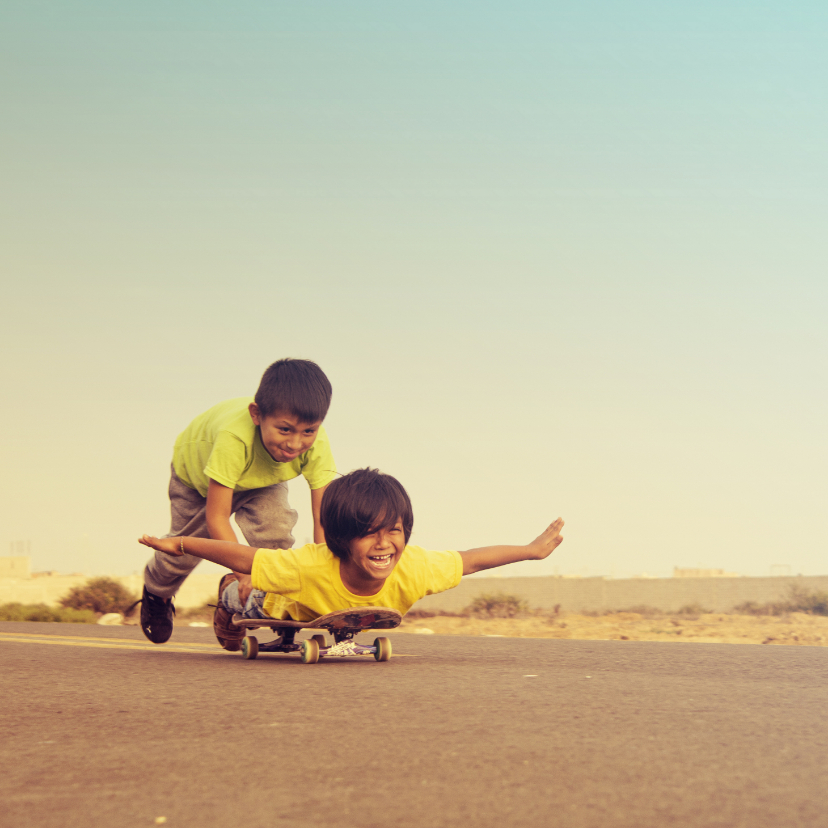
column 294, row 386
column 359, row 503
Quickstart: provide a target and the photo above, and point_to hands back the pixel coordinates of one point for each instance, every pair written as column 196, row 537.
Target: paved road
column 101, row 728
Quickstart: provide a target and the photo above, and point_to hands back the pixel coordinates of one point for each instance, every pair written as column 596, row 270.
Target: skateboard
column 343, row 625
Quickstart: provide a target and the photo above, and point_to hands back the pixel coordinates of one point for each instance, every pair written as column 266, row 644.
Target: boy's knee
column 254, row 607
column 230, row 598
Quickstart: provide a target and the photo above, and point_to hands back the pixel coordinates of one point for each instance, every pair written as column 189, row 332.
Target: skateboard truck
column 343, row 625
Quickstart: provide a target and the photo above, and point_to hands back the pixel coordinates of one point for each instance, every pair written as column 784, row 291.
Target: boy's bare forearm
column 218, row 510
column 316, row 509
column 489, row 557
column 221, row 530
column 234, row 556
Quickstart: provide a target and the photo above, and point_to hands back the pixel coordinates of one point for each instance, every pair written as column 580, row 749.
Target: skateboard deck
column 343, row 625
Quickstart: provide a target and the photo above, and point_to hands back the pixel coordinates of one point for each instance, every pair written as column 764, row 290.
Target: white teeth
column 380, row 560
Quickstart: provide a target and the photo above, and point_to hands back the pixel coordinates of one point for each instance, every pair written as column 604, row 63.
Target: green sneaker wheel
column 383, row 649
column 250, row 646
column 310, row 651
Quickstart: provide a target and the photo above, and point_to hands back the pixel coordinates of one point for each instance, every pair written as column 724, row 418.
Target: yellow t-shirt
column 304, row 583
column 224, row 444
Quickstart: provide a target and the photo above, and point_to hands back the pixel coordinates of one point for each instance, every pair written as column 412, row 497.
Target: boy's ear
column 255, row 413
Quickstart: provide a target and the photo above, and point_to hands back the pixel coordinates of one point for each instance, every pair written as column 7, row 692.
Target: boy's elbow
column 470, row 566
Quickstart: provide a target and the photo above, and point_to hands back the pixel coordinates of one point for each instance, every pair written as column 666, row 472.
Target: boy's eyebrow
column 283, row 422
column 384, row 524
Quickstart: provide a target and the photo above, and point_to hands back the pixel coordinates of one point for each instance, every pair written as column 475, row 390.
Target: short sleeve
column 227, row 460
column 275, row 570
column 444, row 571
column 320, row 467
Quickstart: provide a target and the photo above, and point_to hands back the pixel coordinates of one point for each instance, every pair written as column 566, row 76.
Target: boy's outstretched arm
column 488, row 557
column 234, row 556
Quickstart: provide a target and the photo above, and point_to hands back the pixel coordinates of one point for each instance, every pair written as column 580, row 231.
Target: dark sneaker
column 156, row 617
column 228, row 634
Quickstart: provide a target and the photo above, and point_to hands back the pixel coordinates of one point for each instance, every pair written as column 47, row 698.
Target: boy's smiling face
column 372, row 559
column 284, row 435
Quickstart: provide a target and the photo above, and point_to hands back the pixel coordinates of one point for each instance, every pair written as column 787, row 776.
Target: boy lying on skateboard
column 367, row 562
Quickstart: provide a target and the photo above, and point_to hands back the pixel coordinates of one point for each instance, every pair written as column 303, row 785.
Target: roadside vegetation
column 87, row 603
column 501, row 605
column 41, row 612
column 83, row 604
column 797, row 600
column 101, row 595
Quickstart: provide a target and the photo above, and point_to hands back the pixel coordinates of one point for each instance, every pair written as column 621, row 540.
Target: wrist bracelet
column 181, row 545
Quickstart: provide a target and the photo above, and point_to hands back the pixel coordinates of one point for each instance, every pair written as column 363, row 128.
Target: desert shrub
column 12, row 612
column 693, row 609
column 41, row 612
column 798, row 599
column 70, row 615
column 804, row 600
column 496, row 605
column 752, row 608
column 99, row 595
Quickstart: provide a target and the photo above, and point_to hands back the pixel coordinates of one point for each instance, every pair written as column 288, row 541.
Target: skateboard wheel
column 320, row 640
column 383, row 649
column 250, row 646
column 310, row 651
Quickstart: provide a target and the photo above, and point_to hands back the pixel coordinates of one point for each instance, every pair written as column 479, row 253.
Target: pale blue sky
column 556, row 258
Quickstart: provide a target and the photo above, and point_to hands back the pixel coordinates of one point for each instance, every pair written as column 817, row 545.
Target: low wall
column 573, row 594
column 597, row 594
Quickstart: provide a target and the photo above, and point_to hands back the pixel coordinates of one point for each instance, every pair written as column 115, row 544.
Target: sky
column 555, row 258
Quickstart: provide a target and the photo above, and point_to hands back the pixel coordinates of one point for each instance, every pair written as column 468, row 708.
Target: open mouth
column 381, row 561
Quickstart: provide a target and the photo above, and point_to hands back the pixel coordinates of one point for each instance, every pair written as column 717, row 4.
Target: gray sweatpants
column 263, row 515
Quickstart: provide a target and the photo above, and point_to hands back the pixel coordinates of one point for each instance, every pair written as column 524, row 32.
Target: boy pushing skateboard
column 235, row 459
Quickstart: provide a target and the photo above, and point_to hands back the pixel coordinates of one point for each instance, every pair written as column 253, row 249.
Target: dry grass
column 505, row 615
column 792, row 628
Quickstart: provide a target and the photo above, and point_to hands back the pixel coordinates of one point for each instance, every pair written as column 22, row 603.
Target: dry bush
column 99, row 595
column 693, row 609
column 496, row 605
column 804, row 600
column 798, row 599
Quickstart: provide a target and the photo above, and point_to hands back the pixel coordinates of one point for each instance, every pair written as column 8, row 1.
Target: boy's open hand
column 548, row 541
column 488, row 557
column 171, row 546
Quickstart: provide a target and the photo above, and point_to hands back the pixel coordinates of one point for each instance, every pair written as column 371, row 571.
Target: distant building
column 681, row 572
column 16, row 566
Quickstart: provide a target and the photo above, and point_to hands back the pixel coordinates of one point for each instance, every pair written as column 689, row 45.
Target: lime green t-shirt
column 304, row 583
column 224, row 444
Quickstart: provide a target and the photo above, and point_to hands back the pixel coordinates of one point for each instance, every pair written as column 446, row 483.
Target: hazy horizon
column 556, row 259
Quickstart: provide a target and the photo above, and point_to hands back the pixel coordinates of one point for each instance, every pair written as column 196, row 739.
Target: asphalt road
column 102, row 728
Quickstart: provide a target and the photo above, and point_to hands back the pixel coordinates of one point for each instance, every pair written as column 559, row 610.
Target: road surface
column 102, row 728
